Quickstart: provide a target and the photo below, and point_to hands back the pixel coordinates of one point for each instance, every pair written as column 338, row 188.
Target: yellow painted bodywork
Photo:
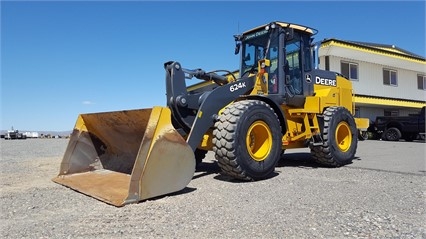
column 302, row 123
column 341, row 95
column 206, row 142
column 362, row 123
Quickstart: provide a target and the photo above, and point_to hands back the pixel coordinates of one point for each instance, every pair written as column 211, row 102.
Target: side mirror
column 237, row 48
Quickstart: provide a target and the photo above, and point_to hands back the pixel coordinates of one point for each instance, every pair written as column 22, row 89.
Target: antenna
column 238, row 27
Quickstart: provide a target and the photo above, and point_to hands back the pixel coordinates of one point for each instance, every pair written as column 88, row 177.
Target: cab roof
column 285, row 25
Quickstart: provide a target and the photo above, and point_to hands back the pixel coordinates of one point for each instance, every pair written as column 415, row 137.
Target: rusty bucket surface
column 124, row 157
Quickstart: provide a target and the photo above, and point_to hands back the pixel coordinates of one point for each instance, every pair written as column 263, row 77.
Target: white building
column 387, row 80
column 31, row 134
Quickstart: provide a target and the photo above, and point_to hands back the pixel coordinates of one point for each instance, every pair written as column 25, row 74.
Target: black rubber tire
column 392, row 134
column 230, row 140
column 362, row 135
column 330, row 153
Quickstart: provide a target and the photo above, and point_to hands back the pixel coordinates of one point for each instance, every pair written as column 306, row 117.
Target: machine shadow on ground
column 302, row 160
column 299, row 160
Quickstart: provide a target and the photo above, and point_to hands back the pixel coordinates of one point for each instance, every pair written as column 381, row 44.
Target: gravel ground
column 302, row 200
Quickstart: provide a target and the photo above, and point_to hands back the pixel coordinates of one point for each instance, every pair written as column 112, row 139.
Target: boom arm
column 195, row 113
column 207, row 76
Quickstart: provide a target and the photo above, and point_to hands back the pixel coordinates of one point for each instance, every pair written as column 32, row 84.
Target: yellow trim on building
column 379, row 51
column 388, row 102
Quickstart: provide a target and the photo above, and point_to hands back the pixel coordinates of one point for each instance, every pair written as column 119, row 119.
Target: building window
column 327, row 63
column 349, row 70
column 391, row 113
column 390, row 77
column 421, row 82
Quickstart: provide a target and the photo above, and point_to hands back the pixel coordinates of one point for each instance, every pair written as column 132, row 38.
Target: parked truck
column 393, row 128
column 14, row 134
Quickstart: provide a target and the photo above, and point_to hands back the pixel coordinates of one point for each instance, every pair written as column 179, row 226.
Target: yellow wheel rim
column 259, row 141
column 343, row 136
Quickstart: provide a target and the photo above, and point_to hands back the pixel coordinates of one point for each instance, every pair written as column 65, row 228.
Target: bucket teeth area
column 105, row 185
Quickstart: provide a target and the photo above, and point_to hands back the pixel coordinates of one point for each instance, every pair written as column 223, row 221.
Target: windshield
column 255, row 48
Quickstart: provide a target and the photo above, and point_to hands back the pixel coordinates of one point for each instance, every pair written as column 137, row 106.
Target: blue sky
column 63, row 58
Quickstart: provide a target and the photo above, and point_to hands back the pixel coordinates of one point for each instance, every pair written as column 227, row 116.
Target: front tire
column 340, row 138
column 247, row 140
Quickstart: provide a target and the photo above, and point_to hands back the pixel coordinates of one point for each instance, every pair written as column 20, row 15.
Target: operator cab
column 288, row 48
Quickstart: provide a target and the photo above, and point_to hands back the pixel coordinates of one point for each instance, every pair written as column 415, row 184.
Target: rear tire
column 247, row 140
column 392, row 134
column 340, row 138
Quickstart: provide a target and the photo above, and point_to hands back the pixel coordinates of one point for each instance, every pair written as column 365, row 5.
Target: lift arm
column 196, row 113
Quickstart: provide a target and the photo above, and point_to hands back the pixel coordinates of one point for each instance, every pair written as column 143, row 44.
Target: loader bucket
column 124, row 157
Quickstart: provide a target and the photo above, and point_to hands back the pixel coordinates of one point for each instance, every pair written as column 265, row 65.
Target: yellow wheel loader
column 278, row 100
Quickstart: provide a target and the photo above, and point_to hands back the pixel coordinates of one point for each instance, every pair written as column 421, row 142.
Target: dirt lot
column 381, row 195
